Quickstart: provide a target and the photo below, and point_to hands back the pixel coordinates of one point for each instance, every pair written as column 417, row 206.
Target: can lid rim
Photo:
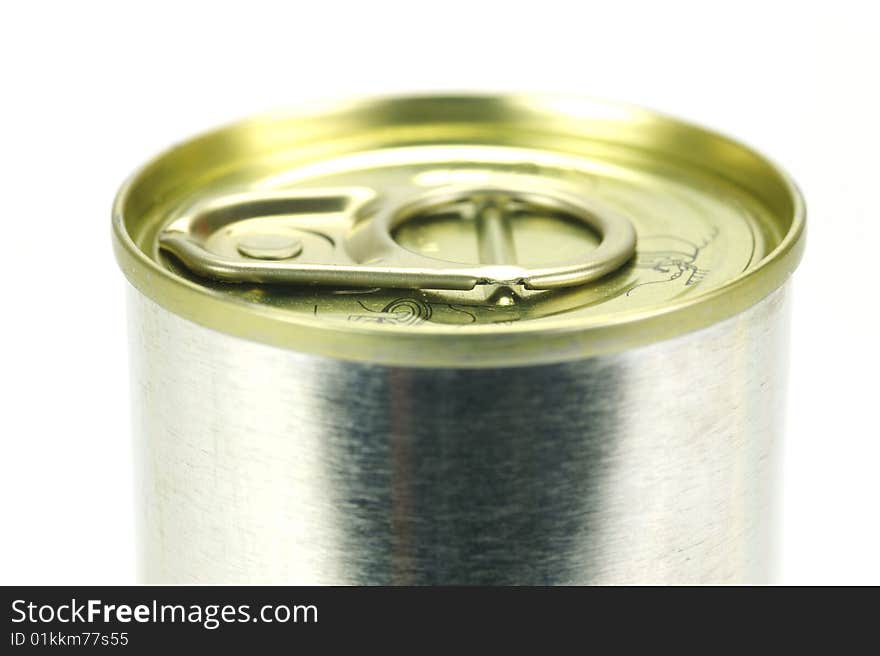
column 481, row 345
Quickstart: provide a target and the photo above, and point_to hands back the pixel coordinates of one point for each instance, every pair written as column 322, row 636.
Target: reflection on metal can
column 439, row 340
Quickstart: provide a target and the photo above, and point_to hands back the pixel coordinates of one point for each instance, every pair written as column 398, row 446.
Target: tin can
column 458, row 340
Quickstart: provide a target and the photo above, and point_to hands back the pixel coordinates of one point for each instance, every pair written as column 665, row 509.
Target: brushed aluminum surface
column 653, row 465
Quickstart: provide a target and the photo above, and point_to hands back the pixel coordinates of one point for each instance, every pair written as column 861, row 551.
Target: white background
column 92, row 89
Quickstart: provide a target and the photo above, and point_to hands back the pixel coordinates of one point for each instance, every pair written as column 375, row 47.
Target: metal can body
column 459, row 340
column 260, row 464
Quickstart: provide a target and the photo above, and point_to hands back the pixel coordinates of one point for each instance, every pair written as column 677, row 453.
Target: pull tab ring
column 344, row 238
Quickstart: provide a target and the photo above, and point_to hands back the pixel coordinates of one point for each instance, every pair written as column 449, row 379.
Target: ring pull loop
column 344, row 237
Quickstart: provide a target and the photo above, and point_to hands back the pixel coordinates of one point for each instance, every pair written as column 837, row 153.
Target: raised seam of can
column 481, row 345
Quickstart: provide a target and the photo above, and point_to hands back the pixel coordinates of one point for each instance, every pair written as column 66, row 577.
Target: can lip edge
column 483, row 345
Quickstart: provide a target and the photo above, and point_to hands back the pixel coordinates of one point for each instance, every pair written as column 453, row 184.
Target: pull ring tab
column 343, row 237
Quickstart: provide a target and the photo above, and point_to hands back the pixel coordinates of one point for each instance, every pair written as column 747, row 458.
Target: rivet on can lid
column 269, row 246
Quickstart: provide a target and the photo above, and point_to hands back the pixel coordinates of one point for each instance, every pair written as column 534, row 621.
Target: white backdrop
column 92, row 89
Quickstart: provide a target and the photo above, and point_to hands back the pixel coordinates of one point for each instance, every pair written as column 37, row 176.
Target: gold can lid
column 459, row 231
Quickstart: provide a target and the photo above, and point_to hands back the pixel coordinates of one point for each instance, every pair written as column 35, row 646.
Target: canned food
column 458, row 340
